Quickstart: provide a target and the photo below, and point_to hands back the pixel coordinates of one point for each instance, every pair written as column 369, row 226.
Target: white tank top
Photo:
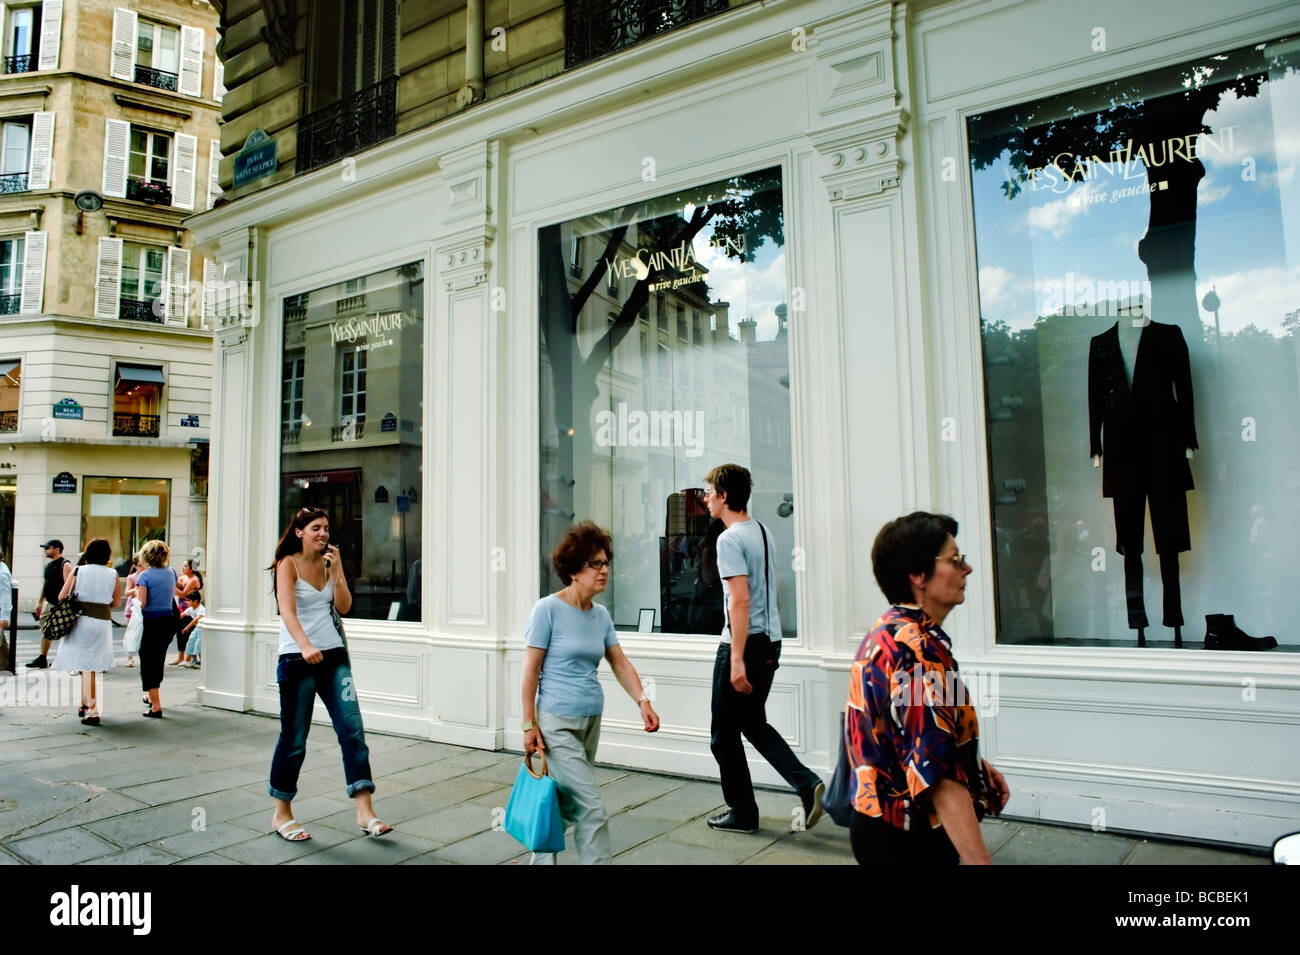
column 314, row 615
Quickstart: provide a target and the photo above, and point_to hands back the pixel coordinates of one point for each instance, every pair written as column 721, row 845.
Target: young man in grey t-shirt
column 748, row 658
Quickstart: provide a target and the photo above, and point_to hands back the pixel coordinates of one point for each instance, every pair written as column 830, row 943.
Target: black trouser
column 1169, row 528
column 736, row 713
column 875, row 842
column 154, row 641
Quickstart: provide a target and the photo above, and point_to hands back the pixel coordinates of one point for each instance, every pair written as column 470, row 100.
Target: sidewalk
column 191, row 789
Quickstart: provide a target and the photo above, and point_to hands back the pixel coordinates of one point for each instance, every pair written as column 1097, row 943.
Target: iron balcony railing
column 25, row 63
column 340, row 432
column 9, row 303
column 135, row 425
column 290, row 435
column 133, row 311
column 596, row 28
column 159, row 79
column 348, row 126
column 13, row 182
column 8, row 421
column 155, row 192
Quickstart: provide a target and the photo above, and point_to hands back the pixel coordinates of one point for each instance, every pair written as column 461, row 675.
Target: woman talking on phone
column 309, row 586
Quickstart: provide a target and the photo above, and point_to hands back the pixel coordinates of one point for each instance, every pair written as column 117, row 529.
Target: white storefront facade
column 860, row 137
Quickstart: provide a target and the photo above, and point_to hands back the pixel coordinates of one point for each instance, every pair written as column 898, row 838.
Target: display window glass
column 1138, row 247
column 351, row 430
column 665, row 352
column 126, row 511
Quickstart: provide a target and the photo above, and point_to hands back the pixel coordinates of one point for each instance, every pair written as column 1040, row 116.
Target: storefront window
column 1139, row 277
column 639, row 399
column 125, row 511
column 351, row 427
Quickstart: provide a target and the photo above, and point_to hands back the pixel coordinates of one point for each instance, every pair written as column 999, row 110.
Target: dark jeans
column 300, row 684
column 736, row 713
column 154, row 641
column 877, row 843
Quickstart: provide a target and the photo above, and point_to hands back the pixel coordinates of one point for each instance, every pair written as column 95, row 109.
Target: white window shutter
column 210, row 278
column 117, row 143
column 108, row 278
column 214, row 173
column 178, row 281
column 191, row 81
column 38, row 175
column 187, row 157
column 125, row 27
column 218, row 79
column 51, row 27
column 33, row 292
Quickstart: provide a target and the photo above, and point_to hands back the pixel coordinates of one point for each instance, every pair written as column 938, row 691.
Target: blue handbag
column 838, row 798
column 533, row 812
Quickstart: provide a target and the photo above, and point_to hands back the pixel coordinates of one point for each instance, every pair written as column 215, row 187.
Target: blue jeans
column 300, row 683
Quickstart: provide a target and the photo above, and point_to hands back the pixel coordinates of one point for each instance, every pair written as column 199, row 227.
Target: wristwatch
column 529, row 725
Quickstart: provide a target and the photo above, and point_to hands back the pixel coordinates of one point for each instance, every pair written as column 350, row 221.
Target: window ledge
column 16, row 90
column 150, row 104
column 134, row 212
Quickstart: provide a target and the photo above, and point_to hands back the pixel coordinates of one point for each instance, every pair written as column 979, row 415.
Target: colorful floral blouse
column 909, row 721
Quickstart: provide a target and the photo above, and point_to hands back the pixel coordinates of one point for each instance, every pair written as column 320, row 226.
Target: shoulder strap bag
column 59, row 620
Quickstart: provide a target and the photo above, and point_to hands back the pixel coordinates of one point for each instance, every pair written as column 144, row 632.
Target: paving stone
column 459, row 789
column 385, row 763
column 451, row 824
column 625, row 832
column 428, row 858
column 486, row 848
column 66, row 847
column 210, row 859
column 270, row 849
column 503, row 772
column 101, row 806
column 664, row 852
column 200, row 784
column 419, row 776
column 392, row 809
column 8, row 859
column 1169, row 853
column 187, row 845
column 1041, row 845
column 477, row 759
column 387, row 850
column 691, row 801
column 494, row 797
column 140, row 855
column 996, row 833
column 737, row 845
column 159, row 822
column 780, row 854
column 631, row 791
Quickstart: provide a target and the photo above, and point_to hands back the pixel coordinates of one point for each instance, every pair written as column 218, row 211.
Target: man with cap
column 57, row 571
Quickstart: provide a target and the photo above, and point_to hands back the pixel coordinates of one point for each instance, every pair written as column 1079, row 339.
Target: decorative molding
column 468, row 174
column 464, row 265
column 861, row 158
column 149, row 104
column 281, row 25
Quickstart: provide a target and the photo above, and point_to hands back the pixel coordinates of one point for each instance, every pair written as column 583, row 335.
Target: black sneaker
column 812, row 805
column 40, row 663
column 727, row 823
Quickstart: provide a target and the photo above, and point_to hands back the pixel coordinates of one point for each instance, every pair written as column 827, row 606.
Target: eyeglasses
column 957, row 560
column 709, row 492
column 599, row 564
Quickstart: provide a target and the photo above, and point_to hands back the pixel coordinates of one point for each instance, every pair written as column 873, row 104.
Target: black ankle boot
column 1222, row 633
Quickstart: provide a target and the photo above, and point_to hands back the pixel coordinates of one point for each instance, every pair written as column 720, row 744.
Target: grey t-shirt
column 740, row 552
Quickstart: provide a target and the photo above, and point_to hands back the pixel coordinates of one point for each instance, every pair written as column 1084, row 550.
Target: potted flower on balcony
column 152, row 192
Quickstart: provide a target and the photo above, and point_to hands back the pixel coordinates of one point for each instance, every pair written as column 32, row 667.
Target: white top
column 314, row 615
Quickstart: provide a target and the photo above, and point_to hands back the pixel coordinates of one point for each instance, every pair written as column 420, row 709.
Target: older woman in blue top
column 309, row 586
column 566, row 635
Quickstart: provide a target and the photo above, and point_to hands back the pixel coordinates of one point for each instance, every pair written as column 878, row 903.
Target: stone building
column 110, row 124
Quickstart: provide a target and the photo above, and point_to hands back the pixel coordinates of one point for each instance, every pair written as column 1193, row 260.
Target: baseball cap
column 53, row 542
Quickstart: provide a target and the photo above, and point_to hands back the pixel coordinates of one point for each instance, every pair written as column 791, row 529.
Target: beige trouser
column 570, row 756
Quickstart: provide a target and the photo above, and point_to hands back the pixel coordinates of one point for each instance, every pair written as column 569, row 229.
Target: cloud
column 1262, row 297
column 1056, row 215
column 753, row 290
column 994, row 284
column 1210, row 191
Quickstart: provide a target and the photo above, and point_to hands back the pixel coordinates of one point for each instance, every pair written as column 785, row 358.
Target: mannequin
column 1140, row 396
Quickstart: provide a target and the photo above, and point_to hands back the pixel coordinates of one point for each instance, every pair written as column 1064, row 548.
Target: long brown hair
column 290, row 543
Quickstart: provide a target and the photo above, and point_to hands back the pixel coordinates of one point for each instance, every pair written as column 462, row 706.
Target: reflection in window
column 126, row 511
column 11, row 373
column 1139, row 275
column 635, row 411
column 351, row 426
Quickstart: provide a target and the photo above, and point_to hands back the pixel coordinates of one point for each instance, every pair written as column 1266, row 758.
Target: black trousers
column 1169, row 527
column 735, row 714
column 154, row 641
column 877, row 843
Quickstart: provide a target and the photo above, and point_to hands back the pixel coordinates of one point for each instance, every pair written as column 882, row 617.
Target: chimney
column 748, row 331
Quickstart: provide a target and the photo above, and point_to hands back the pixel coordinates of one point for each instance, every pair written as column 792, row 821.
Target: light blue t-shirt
column 575, row 641
column 740, row 554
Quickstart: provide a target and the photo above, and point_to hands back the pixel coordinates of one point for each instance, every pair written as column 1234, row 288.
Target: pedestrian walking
column 747, row 660
column 565, row 637
column 187, row 583
column 190, row 629
column 8, row 648
column 56, row 572
column 911, row 734
column 88, row 648
column 134, row 619
column 155, row 588
column 311, row 590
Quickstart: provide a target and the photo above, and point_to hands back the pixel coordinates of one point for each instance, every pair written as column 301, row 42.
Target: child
column 193, row 613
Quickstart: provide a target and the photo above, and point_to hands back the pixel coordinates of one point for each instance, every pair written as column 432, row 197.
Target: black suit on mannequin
column 1148, row 428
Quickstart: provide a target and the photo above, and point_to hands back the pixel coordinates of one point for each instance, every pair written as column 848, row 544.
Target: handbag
column 134, row 629
column 337, row 618
column 838, row 798
column 58, row 621
column 533, row 812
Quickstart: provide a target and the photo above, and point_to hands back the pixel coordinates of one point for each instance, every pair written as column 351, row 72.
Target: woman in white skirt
column 89, row 647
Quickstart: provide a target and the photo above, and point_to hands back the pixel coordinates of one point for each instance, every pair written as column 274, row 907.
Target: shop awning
column 140, row 374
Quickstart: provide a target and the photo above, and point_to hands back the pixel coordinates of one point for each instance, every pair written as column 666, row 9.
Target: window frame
column 144, row 248
column 16, row 266
column 158, row 27
column 151, row 136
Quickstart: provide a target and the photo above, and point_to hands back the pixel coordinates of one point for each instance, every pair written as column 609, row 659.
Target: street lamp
column 1211, row 303
column 87, row 200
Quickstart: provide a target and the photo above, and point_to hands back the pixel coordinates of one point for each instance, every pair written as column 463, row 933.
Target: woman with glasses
column 566, row 635
column 309, row 588
column 911, row 735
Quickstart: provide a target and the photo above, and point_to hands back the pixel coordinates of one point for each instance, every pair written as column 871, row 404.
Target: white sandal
column 376, row 827
column 293, row 834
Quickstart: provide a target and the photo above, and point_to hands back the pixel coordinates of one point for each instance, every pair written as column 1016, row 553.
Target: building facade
column 110, row 118
column 886, row 255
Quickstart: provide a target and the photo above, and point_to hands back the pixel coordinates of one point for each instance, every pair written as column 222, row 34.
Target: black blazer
column 1148, row 428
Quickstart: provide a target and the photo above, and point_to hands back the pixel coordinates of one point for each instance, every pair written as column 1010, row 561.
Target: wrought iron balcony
column 158, row 79
column 158, row 193
column 9, row 303
column 133, row 311
column 358, row 431
column 8, row 421
column 13, row 182
column 135, row 425
column 348, row 126
column 596, row 28
column 20, row 64
column 290, row 436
